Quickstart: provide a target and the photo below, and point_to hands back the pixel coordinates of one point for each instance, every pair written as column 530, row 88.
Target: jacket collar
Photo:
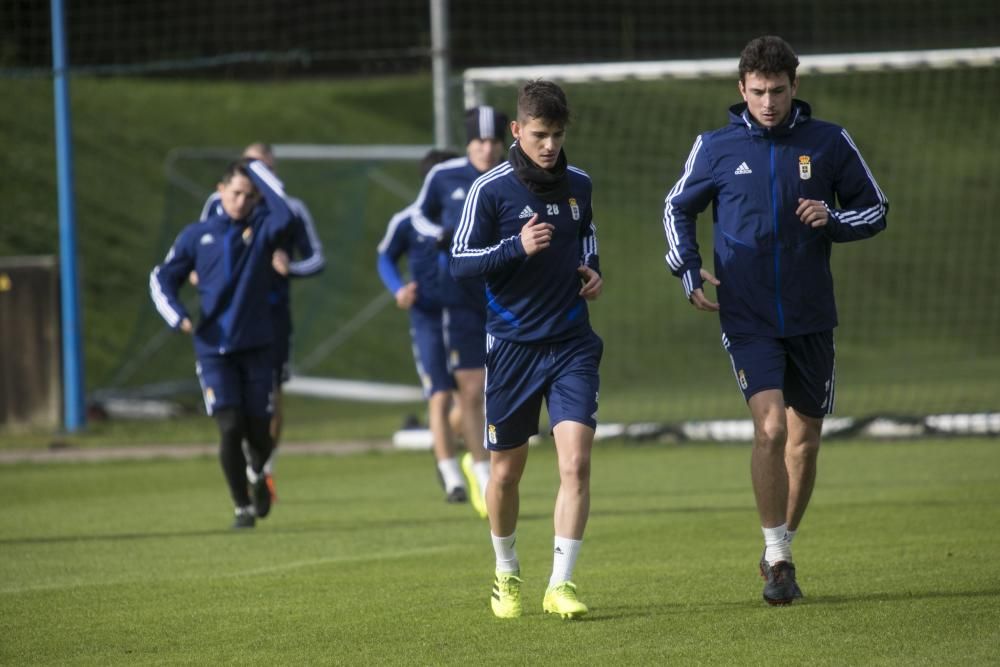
column 800, row 113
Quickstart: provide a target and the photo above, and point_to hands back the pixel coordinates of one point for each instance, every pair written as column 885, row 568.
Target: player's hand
column 280, row 261
column 698, row 298
column 406, row 295
column 536, row 236
column 193, row 278
column 186, row 326
column 812, row 212
column 592, row 282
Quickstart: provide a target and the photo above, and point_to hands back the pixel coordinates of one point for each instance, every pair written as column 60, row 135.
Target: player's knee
column 504, row 476
column 804, row 451
column 231, row 426
column 575, row 467
column 771, row 434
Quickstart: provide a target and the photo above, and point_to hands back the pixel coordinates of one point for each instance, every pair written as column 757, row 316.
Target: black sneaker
column 244, row 519
column 457, row 495
column 779, row 583
column 261, row 496
column 796, row 592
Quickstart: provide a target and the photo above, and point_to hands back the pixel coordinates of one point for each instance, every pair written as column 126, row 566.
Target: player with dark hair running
column 232, row 253
column 784, row 187
column 527, row 229
column 464, row 304
column 409, row 234
column 305, row 247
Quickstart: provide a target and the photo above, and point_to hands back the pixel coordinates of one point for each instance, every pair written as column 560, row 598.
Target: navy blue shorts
column 801, row 367
column 281, row 348
column 520, row 375
column 243, row 380
column 464, row 337
column 427, row 337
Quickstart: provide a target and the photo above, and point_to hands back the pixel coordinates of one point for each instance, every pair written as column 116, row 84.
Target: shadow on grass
column 619, row 612
column 268, row 528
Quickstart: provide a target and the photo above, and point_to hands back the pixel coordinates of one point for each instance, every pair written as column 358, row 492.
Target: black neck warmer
column 549, row 184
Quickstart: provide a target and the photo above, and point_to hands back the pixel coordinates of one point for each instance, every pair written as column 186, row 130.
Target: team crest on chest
column 574, row 209
column 805, row 168
column 247, row 235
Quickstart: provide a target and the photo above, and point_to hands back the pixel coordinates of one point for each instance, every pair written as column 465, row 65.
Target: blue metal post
column 74, row 416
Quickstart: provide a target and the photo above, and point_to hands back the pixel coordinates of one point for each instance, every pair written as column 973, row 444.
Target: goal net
column 349, row 341
column 919, row 304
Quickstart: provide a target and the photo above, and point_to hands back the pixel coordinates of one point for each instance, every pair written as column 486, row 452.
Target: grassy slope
column 123, row 130
column 126, row 563
column 917, row 309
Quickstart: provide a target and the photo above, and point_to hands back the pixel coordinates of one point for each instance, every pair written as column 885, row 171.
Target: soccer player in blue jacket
column 232, row 254
column 304, row 244
column 784, row 187
column 440, row 203
column 527, row 229
column 410, row 234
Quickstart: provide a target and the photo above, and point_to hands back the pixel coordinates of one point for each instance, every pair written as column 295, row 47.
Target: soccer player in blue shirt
column 440, row 203
column 784, row 187
column 410, row 234
column 527, row 229
column 232, row 253
column 304, row 245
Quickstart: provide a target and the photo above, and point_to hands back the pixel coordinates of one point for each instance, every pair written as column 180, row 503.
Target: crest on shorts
column 742, row 379
column 805, row 168
column 574, row 209
column 209, row 396
column 491, row 434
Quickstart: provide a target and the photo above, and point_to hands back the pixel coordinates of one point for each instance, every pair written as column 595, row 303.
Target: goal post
column 918, row 305
column 476, row 79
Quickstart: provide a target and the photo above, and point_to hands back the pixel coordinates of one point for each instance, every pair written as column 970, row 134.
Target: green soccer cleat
column 506, row 600
column 475, row 493
column 561, row 599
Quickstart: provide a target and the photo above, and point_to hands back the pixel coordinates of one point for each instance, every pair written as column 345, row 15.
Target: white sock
column 564, row 555
column 269, row 464
column 506, row 554
column 776, row 546
column 790, row 535
column 451, row 473
column 482, row 471
column 252, row 476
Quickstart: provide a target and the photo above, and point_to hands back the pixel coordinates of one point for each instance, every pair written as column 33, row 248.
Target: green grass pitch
column 363, row 563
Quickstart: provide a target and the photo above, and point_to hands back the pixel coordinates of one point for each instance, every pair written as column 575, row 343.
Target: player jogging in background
column 304, row 252
column 464, row 303
column 411, row 235
column 527, row 229
column 784, row 188
column 232, row 253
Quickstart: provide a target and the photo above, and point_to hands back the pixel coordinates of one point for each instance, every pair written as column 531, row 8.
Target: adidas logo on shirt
column 526, row 213
column 459, row 193
column 207, row 239
column 744, row 168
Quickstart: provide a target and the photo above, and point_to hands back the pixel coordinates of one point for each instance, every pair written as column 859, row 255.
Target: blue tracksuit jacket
column 233, row 261
column 529, row 299
column 774, row 270
column 303, row 246
column 409, row 234
column 440, row 202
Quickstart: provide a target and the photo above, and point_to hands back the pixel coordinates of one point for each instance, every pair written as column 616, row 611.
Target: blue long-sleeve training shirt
column 302, row 244
column 440, row 203
column 233, row 261
column 408, row 234
column 774, row 269
column 529, row 299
